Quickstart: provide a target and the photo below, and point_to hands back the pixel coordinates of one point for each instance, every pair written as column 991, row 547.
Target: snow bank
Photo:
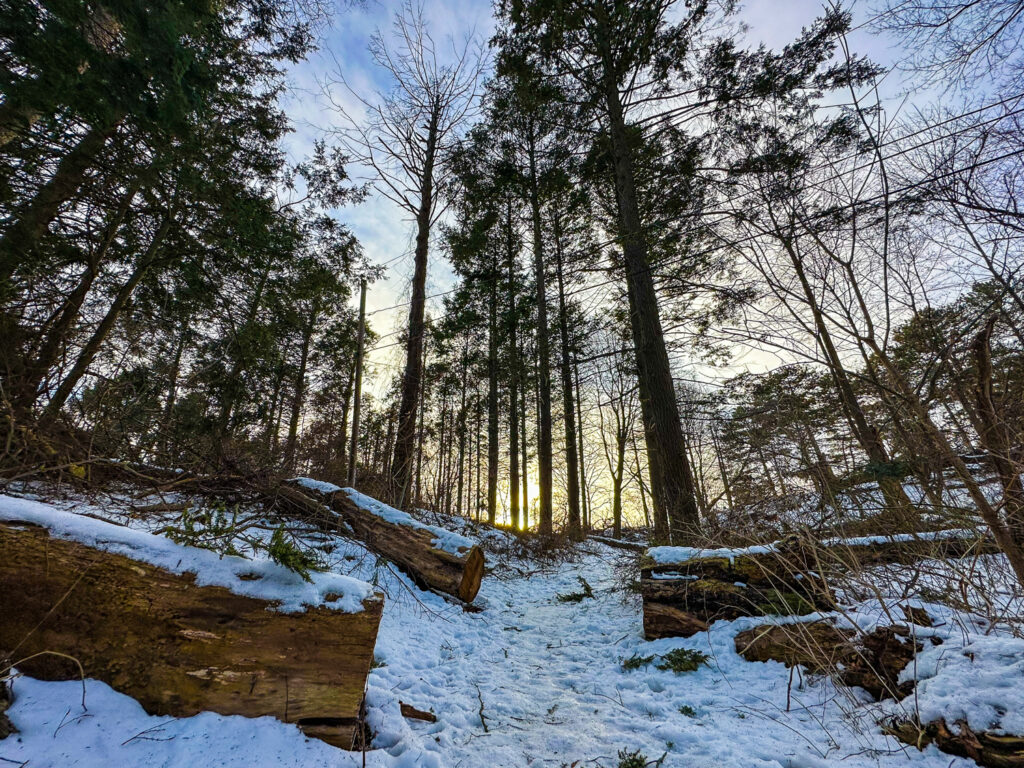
column 445, row 540
column 981, row 682
column 274, row 583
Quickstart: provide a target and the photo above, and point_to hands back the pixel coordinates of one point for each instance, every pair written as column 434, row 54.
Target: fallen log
column 993, row 750
column 787, row 577
column 872, row 661
column 179, row 629
column 432, row 557
column 630, row 546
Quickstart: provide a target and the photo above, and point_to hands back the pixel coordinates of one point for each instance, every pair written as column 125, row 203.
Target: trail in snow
column 530, row 681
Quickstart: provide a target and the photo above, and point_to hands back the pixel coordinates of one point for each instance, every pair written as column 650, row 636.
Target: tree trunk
column 492, row 398
column 675, row 507
column 900, row 509
column 405, row 436
column 177, row 648
column 569, row 414
column 92, row 346
column 300, row 390
column 544, row 451
column 455, row 570
column 23, row 235
column 513, row 379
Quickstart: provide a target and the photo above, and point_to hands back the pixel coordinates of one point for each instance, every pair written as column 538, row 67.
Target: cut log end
column 175, row 647
column 472, row 575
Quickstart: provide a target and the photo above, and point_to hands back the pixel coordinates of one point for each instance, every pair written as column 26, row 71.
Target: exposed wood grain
column 178, row 648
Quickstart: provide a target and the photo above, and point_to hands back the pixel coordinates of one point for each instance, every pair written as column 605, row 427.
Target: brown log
column 792, row 579
column 666, row 621
column 177, row 648
column 411, row 549
column 993, row 750
column 871, row 661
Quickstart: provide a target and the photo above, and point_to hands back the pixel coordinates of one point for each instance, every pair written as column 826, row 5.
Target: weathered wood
column 872, row 661
column 411, row 549
column 178, row 648
column 630, row 546
column 410, row 712
column 792, row 578
column 993, row 750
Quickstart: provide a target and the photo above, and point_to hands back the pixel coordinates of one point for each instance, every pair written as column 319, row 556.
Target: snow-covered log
column 180, row 629
column 685, row 588
column 433, row 557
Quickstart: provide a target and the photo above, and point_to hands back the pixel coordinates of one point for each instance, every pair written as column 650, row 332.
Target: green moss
column 779, row 603
column 687, row 710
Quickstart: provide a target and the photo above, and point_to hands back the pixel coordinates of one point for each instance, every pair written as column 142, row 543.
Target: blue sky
column 384, row 231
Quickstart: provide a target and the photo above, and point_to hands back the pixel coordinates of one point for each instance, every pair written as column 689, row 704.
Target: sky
column 386, row 232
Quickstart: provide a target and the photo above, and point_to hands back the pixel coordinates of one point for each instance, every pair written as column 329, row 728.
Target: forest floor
column 532, row 680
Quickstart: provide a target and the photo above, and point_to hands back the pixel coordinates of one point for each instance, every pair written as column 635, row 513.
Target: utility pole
column 360, row 338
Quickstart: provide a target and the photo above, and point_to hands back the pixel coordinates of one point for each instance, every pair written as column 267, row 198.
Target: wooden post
column 361, row 339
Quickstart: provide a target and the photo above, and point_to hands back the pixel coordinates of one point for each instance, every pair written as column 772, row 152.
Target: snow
column 286, row 589
column 445, row 540
column 534, row 682
column 672, row 555
column 320, row 486
column 981, row 682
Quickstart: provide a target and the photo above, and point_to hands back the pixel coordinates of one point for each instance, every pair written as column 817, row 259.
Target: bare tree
column 406, row 137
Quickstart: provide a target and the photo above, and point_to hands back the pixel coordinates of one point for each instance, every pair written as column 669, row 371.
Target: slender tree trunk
column 172, row 386
column 569, row 414
column 360, row 343
column 492, row 398
column 899, row 506
column 544, row 439
column 401, row 467
column 675, row 506
column 300, row 391
column 584, row 502
column 513, row 351
column 92, row 346
column 461, row 430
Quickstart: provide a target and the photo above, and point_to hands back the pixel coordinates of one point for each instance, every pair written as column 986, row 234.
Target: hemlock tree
column 616, row 56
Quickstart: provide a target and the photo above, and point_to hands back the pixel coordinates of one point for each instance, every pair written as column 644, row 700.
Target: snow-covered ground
column 535, row 681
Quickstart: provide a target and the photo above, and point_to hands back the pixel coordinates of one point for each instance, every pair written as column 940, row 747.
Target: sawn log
column 178, row 648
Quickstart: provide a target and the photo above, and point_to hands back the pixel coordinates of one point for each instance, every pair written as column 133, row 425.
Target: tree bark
column 569, row 414
column 671, row 481
column 405, row 435
column 513, row 380
column 177, row 648
column 544, row 439
column 88, row 353
column 409, row 546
